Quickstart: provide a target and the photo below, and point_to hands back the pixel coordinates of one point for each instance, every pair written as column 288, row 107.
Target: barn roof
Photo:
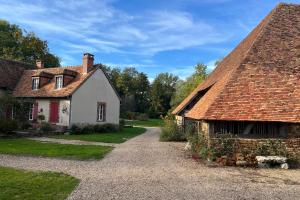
column 260, row 79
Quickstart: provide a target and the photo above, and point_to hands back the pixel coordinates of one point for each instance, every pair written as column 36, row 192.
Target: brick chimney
column 87, row 62
column 39, row 64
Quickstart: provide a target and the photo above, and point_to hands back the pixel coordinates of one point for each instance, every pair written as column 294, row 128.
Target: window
column 31, row 108
column 58, row 82
column 101, row 111
column 35, row 83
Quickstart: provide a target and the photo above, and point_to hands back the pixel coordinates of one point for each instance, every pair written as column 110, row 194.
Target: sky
column 153, row 36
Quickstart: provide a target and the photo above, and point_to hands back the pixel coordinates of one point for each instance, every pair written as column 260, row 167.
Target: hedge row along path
column 144, row 168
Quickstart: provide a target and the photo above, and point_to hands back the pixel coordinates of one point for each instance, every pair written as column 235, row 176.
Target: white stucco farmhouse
column 69, row 95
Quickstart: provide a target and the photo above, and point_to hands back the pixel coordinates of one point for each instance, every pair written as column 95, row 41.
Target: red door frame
column 54, row 111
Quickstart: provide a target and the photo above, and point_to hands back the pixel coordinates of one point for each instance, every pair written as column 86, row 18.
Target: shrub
column 7, row 126
column 106, row 128
column 121, row 124
column 142, row 117
column 46, row 127
column 131, row 115
column 199, row 145
column 171, row 131
column 75, row 129
column 225, row 145
column 41, row 117
column 25, row 125
column 294, row 160
column 111, row 127
column 87, row 129
column 272, row 148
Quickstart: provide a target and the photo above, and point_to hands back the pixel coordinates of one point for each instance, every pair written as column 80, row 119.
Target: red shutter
column 54, row 116
column 35, row 109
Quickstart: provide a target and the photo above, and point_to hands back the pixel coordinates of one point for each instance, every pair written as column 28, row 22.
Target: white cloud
column 211, row 65
column 98, row 26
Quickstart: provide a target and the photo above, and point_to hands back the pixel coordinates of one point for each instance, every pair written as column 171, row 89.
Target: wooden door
column 54, row 114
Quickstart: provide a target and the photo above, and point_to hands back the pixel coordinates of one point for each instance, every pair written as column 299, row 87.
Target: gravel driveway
column 144, row 168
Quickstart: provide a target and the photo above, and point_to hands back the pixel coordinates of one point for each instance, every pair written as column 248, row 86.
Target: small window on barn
column 58, row 82
column 35, row 83
column 101, row 112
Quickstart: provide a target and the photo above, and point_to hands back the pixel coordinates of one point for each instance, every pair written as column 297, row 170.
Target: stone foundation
column 292, row 145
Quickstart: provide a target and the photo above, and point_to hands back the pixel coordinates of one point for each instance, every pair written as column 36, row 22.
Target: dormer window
column 35, row 83
column 59, row 82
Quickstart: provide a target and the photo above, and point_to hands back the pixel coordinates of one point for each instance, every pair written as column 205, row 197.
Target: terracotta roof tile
column 260, row 79
column 24, row 87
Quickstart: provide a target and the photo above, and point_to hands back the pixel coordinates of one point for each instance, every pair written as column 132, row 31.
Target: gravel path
column 77, row 142
column 143, row 168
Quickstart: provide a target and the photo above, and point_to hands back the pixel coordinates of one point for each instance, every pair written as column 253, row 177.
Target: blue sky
column 152, row 35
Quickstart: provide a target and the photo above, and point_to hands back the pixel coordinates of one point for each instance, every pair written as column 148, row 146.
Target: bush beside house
column 77, row 129
column 171, row 131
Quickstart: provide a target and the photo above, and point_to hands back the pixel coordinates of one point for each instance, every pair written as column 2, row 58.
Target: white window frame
column 101, row 112
column 59, row 84
column 35, row 83
column 31, row 112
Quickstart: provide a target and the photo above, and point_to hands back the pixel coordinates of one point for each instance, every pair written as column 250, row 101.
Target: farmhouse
column 254, row 92
column 63, row 95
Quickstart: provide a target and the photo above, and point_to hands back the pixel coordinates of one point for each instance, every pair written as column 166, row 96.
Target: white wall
column 64, row 111
column 84, row 101
column 43, row 108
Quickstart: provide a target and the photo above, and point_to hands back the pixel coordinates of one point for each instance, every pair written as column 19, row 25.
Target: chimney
column 87, row 62
column 39, row 64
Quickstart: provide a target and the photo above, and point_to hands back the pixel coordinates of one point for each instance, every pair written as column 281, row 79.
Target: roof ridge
column 259, row 35
column 231, row 62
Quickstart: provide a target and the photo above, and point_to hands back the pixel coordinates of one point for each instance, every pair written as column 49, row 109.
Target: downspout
column 70, row 112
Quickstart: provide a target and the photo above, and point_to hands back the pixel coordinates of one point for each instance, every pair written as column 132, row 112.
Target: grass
column 26, row 185
column 35, row 148
column 116, row 137
column 148, row 123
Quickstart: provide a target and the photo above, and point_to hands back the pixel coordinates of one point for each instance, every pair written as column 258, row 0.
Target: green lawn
column 35, row 148
column 25, row 185
column 148, row 123
column 116, row 137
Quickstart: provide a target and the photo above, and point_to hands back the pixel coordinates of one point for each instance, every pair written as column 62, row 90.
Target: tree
column 132, row 86
column 142, row 92
column 15, row 45
column 162, row 90
column 184, row 88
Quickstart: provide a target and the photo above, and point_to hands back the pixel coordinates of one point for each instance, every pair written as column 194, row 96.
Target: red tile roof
column 24, row 87
column 260, row 79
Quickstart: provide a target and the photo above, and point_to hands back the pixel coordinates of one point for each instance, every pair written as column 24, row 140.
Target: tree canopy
column 184, row 88
column 16, row 44
column 132, row 86
column 162, row 90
